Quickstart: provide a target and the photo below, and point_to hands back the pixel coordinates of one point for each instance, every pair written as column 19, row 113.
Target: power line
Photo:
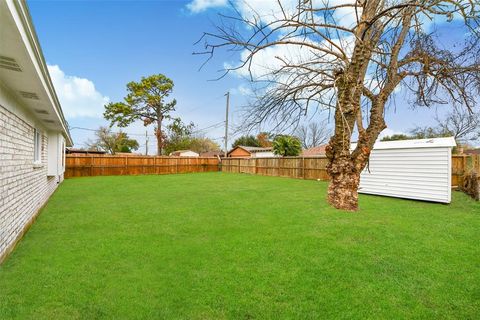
column 95, row 130
column 213, row 126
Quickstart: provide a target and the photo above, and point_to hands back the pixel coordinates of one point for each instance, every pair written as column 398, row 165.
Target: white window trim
column 37, row 148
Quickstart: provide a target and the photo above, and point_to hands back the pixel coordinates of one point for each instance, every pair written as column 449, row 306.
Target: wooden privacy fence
column 315, row 167
column 463, row 165
column 111, row 165
column 292, row 167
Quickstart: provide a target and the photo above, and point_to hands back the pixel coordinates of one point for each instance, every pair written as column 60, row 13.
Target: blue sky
column 94, row 48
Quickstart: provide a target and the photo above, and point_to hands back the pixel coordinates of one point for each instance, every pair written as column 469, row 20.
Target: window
column 37, row 146
column 62, row 154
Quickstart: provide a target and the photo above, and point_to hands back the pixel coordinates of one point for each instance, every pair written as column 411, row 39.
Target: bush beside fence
column 111, row 165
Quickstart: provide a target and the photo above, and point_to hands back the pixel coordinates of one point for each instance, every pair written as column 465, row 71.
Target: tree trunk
column 344, row 182
column 342, row 168
column 159, row 137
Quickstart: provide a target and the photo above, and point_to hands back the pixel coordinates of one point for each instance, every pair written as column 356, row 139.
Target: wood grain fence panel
column 106, row 165
column 314, row 168
column 291, row 167
column 463, row 165
column 311, row 168
column 458, row 169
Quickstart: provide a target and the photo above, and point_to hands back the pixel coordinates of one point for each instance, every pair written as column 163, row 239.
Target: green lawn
column 213, row 246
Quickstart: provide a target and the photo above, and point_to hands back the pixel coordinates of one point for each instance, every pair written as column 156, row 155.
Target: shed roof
column 413, row 144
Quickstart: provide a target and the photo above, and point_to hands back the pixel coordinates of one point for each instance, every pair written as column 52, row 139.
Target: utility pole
column 146, row 142
column 226, row 123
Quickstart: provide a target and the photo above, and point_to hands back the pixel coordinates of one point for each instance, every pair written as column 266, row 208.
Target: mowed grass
column 214, row 246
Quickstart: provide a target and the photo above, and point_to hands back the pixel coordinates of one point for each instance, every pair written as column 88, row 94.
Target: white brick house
column 33, row 131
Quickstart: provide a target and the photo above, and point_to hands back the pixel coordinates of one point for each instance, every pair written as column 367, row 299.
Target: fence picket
column 293, row 167
column 314, row 168
column 107, row 165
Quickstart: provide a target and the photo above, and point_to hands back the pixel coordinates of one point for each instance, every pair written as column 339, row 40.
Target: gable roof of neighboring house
column 252, row 149
column 315, row 151
column 23, row 71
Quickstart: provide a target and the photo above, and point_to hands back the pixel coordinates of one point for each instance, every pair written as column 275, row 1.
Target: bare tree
column 352, row 67
column 464, row 126
column 112, row 142
column 313, row 134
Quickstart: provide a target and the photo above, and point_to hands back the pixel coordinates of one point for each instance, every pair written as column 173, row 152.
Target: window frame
column 37, row 146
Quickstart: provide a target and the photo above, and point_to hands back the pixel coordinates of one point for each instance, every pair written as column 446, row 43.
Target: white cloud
column 269, row 10
column 197, row 6
column 78, row 96
column 273, row 58
column 241, row 90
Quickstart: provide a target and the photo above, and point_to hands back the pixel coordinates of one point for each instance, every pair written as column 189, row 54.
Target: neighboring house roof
column 315, row 151
column 180, row 152
column 209, row 154
column 23, row 70
column 128, row 154
column 80, row 151
column 257, row 149
column 252, row 149
column 472, row 151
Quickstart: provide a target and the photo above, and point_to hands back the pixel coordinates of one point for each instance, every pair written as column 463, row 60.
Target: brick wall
column 24, row 189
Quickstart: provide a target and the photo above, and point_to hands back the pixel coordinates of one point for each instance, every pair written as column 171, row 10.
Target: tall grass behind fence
column 111, row 165
column 292, row 167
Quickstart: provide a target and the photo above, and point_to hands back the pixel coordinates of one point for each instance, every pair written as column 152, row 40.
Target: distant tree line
column 462, row 125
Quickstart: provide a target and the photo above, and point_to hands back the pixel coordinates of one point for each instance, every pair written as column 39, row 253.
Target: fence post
column 91, row 166
column 303, row 168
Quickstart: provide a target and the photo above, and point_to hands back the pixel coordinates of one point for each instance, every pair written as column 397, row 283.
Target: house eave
column 35, row 69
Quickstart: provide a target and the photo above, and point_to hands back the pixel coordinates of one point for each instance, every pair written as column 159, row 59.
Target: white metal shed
column 413, row 169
